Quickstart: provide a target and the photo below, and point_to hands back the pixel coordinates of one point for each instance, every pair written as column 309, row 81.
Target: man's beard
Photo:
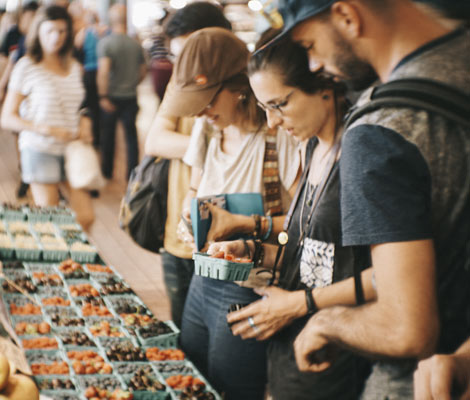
column 356, row 73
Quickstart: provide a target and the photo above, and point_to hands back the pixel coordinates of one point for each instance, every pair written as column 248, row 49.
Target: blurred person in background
column 43, row 104
column 15, row 41
column 14, row 47
column 160, row 63
column 169, row 138
column 121, row 67
column 86, row 41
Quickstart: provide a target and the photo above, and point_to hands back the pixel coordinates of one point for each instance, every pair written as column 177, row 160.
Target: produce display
column 85, row 333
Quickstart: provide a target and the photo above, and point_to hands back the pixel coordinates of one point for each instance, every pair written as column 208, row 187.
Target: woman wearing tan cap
column 210, row 79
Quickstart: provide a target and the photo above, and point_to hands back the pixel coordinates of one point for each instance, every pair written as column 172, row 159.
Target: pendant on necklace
column 283, row 238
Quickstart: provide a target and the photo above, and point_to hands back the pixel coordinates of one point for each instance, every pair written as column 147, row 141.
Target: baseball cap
column 209, row 57
column 296, row 11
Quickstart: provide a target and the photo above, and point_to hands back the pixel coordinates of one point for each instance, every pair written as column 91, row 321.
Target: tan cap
column 209, row 57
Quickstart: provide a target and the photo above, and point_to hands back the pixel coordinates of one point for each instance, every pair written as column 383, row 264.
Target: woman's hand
column 263, row 318
column 222, row 224
column 57, row 132
column 85, row 133
column 235, row 247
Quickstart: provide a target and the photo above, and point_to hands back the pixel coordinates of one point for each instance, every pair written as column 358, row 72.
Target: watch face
column 283, row 238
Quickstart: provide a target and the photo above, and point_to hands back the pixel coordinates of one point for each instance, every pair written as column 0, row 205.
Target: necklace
column 317, row 190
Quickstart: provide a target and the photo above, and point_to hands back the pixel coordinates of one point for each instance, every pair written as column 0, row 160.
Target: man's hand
column 107, row 105
column 442, row 377
column 277, row 309
column 311, row 348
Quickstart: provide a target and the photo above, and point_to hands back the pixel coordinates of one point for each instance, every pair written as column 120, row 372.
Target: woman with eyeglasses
column 243, row 156
column 316, row 270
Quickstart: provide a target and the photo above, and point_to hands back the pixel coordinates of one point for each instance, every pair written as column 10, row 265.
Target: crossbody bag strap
column 271, row 180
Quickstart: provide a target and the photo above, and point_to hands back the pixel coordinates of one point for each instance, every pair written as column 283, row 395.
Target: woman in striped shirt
column 44, row 97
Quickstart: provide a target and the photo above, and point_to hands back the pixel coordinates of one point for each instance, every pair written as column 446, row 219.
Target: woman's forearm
column 343, row 292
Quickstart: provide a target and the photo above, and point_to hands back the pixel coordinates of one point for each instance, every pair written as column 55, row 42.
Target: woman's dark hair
column 193, row 17
column 289, row 60
column 51, row 13
column 31, row 6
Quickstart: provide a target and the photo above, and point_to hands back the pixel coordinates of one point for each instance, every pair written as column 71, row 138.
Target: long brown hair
column 248, row 111
column 51, row 13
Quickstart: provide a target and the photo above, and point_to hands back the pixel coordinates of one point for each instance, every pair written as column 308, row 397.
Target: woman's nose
column 273, row 118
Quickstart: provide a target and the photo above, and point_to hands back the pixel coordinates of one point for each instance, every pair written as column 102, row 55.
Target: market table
column 84, row 332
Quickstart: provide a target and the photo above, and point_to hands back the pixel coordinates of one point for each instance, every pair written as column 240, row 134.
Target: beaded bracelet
column 258, row 255
column 257, row 230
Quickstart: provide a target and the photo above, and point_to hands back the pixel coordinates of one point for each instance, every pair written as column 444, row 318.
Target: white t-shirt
column 51, row 99
column 243, row 172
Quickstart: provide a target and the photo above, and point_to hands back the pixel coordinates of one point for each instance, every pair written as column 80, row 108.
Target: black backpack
column 144, row 206
column 419, row 93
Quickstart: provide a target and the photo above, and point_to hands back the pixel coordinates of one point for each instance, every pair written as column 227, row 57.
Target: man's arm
column 102, row 81
column 402, row 322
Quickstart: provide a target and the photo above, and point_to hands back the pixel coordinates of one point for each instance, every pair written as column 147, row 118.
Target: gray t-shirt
column 405, row 176
column 126, row 56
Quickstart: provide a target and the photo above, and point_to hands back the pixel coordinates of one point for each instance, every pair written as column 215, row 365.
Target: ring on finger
column 252, row 324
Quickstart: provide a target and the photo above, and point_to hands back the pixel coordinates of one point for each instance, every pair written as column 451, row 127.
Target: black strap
column 419, row 93
column 285, row 226
column 422, row 94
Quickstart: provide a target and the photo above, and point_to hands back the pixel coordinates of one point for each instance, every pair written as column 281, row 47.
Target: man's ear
column 346, row 18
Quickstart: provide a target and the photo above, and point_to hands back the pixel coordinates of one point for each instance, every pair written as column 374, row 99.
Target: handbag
column 144, row 206
column 82, row 167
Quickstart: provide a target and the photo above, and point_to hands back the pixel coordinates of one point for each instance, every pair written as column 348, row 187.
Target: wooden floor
column 140, row 268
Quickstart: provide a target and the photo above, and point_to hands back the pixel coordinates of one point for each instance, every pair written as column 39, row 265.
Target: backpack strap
column 271, row 180
column 419, row 93
column 422, row 94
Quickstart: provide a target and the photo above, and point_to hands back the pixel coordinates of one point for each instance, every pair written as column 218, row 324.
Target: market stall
column 83, row 330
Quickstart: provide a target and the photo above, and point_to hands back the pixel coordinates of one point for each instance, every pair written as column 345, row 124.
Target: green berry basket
column 221, row 269
column 163, row 341
column 163, row 394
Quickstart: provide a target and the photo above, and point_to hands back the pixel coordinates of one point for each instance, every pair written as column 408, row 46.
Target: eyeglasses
column 277, row 107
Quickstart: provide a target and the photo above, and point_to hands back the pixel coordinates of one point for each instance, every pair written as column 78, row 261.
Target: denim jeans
column 126, row 111
column 177, row 273
column 233, row 366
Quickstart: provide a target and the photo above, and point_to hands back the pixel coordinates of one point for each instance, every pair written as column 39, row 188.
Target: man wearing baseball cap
column 404, row 187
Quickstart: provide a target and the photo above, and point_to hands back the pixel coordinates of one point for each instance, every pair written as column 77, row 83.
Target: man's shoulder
column 445, row 60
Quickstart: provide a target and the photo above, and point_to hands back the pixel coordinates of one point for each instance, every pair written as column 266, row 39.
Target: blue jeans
column 177, row 273
column 233, row 366
column 126, row 111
